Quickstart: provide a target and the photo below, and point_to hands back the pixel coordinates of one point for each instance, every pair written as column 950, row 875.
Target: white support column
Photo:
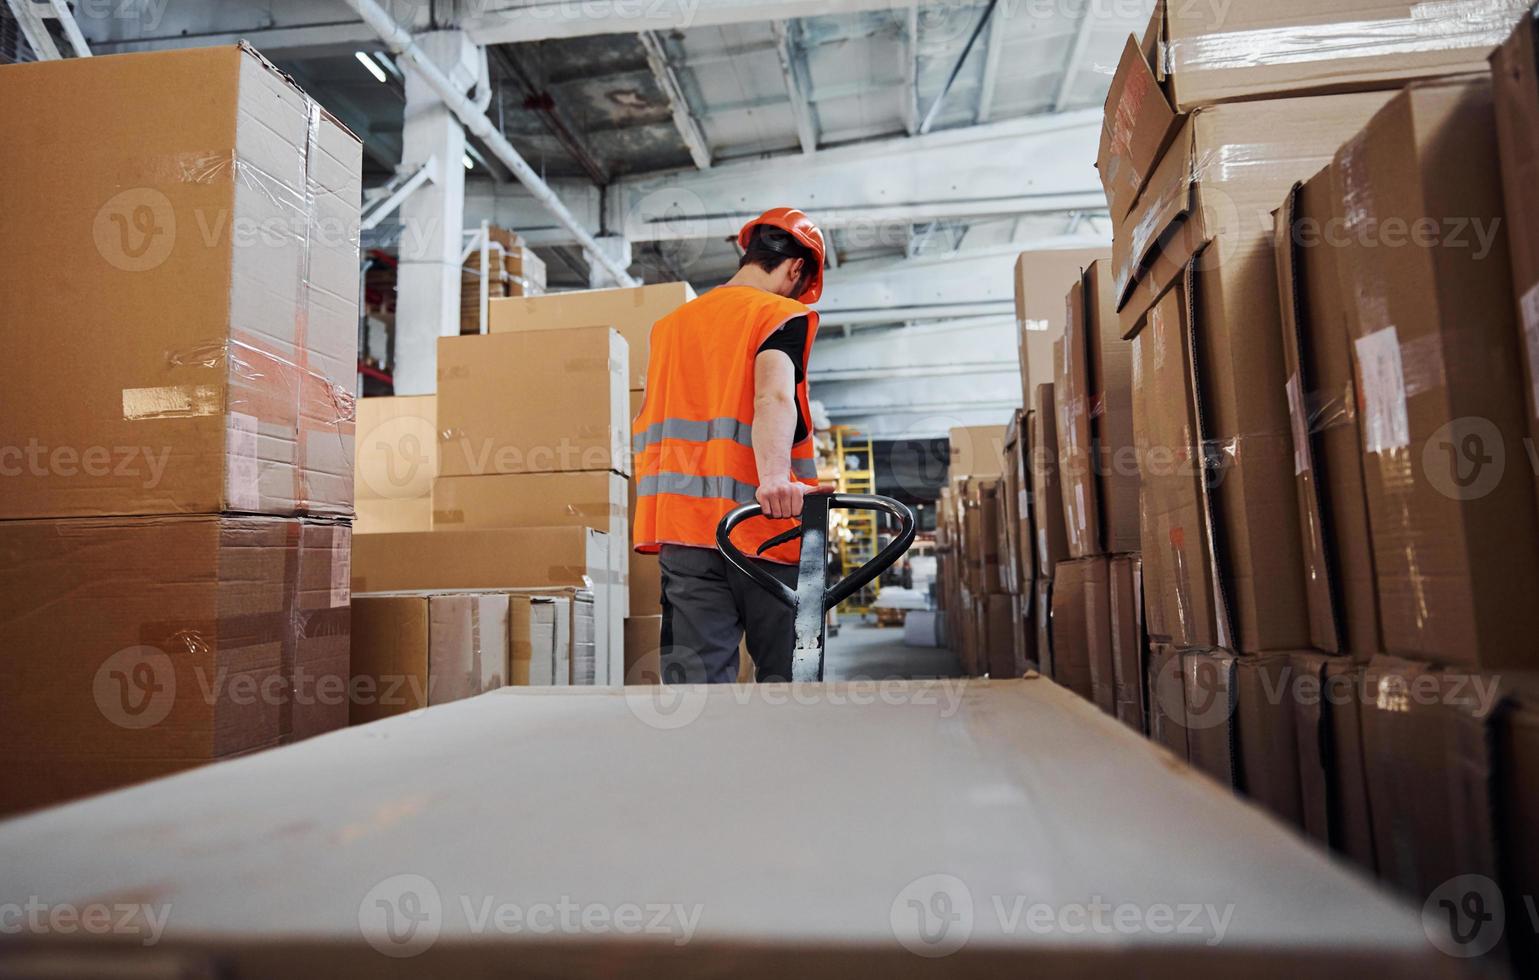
column 617, row 247
column 428, row 281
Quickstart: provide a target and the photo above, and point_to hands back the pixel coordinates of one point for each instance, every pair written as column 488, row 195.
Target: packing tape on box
column 1443, row 25
column 580, row 509
column 1120, row 124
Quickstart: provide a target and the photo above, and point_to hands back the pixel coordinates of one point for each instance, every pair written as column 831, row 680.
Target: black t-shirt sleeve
column 791, row 339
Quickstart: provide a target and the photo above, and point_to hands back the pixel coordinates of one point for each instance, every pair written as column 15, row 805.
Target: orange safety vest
column 692, row 441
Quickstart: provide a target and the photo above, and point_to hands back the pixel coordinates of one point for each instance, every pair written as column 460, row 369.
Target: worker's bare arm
column 774, row 426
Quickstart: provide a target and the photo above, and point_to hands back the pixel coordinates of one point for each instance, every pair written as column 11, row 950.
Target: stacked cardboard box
column 396, row 463
column 1040, row 278
column 174, row 523
column 511, row 269
column 631, row 312
column 1330, row 409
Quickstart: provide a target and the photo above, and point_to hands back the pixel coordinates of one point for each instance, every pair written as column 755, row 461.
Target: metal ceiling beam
column 678, row 104
column 910, row 93
column 1076, row 56
column 411, row 57
column 34, row 30
column 515, row 21
column 794, row 66
column 991, row 53
column 967, row 368
column 956, row 69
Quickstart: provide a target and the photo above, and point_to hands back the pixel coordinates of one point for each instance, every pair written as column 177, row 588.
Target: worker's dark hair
column 769, row 246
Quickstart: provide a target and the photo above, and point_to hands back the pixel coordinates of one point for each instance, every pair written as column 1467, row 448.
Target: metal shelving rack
column 859, row 542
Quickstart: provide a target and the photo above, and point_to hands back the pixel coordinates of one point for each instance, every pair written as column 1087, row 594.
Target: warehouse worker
column 726, row 421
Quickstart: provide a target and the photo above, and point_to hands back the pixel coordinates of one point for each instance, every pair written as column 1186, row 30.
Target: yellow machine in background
column 854, row 472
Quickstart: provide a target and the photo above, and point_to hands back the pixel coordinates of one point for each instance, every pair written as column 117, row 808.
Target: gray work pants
column 708, row 606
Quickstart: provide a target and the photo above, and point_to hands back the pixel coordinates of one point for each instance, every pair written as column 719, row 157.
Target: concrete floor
column 862, row 651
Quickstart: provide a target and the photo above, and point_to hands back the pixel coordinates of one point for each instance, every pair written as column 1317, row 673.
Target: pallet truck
column 813, row 596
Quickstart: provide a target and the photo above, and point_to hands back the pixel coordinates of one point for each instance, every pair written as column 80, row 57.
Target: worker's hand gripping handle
column 814, row 535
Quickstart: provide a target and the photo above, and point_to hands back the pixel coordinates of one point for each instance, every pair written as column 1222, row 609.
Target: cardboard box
column 539, row 639
column 999, row 642
column 642, row 644
column 977, row 450
column 1015, row 510
column 397, row 459
column 1209, row 691
column 180, row 273
column 1022, row 535
column 1023, row 633
column 631, row 311
column 1517, row 754
column 1136, row 127
column 1040, row 279
column 1182, row 605
column 1052, row 544
column 139, row 647
column 576, row 661
column 413, row 651
column 1220, row 179
column 593, row 499
column 1427, row 745
column 981, row 533
column 1455, row 532
column 421, row 783
column 533, row 402
column 502, row 559
column 1265, row 694
column 1515, row 76
column 1253, row 49
column 1093, row 397
column 1333, row 785
column 1042, row 624
column 1167, row 700
column 1129, row 645
column 1081, row 629
column 1339, row 586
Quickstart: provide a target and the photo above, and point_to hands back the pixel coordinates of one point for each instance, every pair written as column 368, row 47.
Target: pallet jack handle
column 812, row 596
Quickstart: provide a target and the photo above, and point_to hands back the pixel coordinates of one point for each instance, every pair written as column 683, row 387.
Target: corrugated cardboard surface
column 1182, row 604
column 592, row 499
column 397, row 448
column 1209, row 691
column 1042, row 622
column 1051, row 541
column 1515, row 75
column 209, row 305
column 1167, row 700
column 1076, row 452
column 1253, row 49
column 1436, row 344
column 533, row 633
column 1220, row 179
column 493, row 559
column 630, row 311
column 977, row 450
column 981, row 531
column 415, row 786
column 1264, row 732
column 1427, row 746
column 1129, row 645
column 1339, row 586
column 1080, row 622
column 1137, row 125
column 414, row 651
column 1333, row 785
column 533, row 402
column 142, row 646
column 1040, row 281
column 999, row 642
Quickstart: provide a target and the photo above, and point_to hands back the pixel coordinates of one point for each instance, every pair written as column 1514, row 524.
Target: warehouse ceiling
column 933, row 141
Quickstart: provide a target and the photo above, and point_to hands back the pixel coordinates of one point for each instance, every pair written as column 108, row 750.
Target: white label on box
column 1530, row 306
column 1081, row 512
column 242, row 486
column 1386, row 425
column 1300, row 426
column 341, row 578
column 1042, row 545
column 1023, row 500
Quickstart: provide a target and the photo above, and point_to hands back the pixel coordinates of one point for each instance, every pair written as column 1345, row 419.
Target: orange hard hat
column 803, row 230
